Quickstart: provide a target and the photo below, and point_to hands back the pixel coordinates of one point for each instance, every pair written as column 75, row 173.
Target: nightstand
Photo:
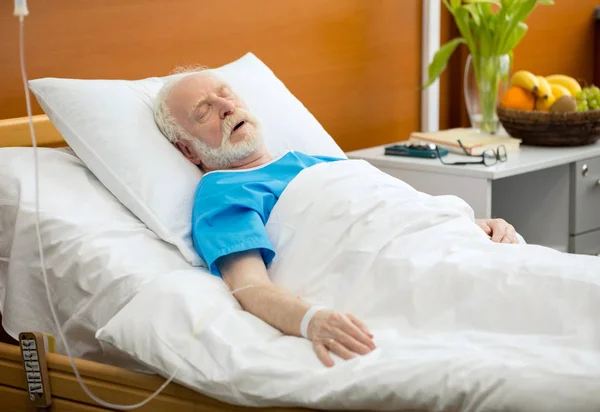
column 551, row 195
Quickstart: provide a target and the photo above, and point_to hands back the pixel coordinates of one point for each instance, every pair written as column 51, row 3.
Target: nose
column 226, row 108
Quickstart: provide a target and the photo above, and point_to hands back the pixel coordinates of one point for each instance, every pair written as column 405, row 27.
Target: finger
column 498, row 231
column 323, row 355
column 340, row 350
column 512, row 234
column 486, row 228
column 360, row 324
column 350, row 343
column 345, row 324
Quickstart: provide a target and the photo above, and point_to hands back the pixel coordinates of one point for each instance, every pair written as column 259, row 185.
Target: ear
column 187, row 148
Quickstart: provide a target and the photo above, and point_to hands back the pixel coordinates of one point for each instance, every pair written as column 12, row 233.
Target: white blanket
column 459, row 321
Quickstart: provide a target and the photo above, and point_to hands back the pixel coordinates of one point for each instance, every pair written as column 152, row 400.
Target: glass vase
column 486, row 80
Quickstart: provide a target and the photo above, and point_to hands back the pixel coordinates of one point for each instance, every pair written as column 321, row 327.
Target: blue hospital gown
column 231, row 207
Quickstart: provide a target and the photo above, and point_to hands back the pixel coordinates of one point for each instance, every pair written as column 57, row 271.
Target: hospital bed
column 460, row 322
column 115, row 384
column 465, row 327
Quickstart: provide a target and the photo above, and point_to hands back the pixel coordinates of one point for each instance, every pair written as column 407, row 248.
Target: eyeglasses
column 489, row 157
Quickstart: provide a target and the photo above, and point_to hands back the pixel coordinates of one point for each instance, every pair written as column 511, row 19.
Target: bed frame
column 113, row 384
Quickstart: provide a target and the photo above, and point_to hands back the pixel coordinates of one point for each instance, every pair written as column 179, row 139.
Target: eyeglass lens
column 502, row 156
column 489, row 157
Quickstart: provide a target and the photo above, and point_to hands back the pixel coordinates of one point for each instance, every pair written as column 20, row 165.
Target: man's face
column 222, row 129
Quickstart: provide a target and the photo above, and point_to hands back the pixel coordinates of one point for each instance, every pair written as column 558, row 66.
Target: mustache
column 239, row 115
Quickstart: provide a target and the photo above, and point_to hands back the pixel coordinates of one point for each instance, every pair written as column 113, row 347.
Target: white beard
column 226, row 155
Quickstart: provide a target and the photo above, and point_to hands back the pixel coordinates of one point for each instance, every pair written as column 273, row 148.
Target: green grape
column 580, row 95
column 595, row 90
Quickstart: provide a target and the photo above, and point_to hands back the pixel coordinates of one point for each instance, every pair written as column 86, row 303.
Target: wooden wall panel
column 560, row 40
column 354, row 63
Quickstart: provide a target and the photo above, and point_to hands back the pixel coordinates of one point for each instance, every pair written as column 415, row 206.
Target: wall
column 354, row 63
column 560, row 40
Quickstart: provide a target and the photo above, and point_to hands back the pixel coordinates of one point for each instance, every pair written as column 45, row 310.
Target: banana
column 558, row 91
column 565, row 81
column 544, row 90
column 543, row 105
column 526, row 80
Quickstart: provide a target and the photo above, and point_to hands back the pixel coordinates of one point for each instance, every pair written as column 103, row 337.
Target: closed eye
column 202, row 112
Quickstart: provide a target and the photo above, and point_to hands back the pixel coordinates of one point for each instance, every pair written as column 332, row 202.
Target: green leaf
column 508, row 3
column 474, row 13
column 484, row 1
column 455, row 4
column 522, row 10
column 487, row 28
column 515, row 37
column 461, row 18
column 448, row 6
column 440, row 60
column 485, row 10
column 546, row 2
column 486, row 41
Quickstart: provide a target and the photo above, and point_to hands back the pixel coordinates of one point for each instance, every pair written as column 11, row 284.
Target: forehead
column 191, row 88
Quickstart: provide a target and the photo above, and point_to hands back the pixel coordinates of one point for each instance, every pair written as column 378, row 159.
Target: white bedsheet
column 97, row 253
column 459, row 321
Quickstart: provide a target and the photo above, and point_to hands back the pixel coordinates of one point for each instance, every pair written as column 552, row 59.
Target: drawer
column 585, row 244
column 585, row 195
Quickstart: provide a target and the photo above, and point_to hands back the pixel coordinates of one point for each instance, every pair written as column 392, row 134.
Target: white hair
column 162, row 115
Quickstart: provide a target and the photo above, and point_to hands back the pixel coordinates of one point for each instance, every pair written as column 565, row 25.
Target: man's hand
column 499, row 230
column 342, row 334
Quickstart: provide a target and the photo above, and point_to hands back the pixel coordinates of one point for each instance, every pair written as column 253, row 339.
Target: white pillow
column 110, row 126
column 97, row 253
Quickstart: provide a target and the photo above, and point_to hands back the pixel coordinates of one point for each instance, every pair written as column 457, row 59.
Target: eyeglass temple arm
column 464, row 148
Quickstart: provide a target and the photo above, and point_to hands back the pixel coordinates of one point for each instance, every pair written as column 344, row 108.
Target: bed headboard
column 354, row 63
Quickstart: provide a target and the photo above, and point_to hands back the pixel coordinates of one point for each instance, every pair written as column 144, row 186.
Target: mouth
column 239, row 125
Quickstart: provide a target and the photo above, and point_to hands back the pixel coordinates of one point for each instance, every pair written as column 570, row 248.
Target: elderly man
column 214, row 129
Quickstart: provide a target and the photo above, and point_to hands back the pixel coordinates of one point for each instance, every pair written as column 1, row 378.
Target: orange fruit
column 518, row 98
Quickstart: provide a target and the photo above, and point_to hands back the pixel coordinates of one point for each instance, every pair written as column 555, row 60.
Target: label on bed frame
column 33, row 351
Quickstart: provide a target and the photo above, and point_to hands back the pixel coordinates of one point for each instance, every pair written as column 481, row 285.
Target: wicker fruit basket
column 551, row 129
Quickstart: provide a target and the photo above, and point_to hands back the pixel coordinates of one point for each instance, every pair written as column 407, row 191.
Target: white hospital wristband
column 307, row 318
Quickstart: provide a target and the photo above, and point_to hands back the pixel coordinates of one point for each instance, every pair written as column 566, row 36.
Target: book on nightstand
column 474, row 141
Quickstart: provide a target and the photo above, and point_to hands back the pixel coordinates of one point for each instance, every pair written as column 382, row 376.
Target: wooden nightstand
column 551, row 195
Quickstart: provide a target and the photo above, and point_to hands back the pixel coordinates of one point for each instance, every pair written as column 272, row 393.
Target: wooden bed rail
column 113, row 384
column 15, row 132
